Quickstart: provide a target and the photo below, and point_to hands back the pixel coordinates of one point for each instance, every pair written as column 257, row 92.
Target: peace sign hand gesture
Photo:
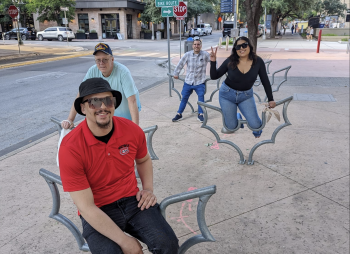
column 213, row 54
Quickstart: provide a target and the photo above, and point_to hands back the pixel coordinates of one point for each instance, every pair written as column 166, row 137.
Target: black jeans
column 148, row 226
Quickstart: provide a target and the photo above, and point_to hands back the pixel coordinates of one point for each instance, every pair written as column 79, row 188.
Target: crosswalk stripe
column 151, row 54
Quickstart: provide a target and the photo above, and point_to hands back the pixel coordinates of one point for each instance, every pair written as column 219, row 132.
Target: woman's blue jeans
column 187, row 90
column 149, row 226
column 230, row 99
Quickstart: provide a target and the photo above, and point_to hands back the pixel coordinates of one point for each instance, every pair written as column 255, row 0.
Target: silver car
column 56, row 33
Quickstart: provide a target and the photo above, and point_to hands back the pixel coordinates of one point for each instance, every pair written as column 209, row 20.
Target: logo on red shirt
column 124, row 149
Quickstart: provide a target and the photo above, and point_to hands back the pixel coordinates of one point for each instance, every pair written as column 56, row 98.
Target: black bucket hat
column 93, row 86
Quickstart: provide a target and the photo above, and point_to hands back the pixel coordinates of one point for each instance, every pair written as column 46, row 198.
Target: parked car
column 226, row 30
column 56, row 33
column 204, row 29
column 25, row 33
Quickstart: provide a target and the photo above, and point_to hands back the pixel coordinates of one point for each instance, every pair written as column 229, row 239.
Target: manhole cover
column 313, row 97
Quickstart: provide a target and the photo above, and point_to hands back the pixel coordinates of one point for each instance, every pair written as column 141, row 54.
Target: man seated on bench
column 97, row 169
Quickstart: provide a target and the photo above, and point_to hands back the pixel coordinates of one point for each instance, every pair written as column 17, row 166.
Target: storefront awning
column 98, row 4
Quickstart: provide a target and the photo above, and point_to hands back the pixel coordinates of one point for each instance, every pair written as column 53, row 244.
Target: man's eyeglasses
column 243, row 45
column 95, row 103
column 99, row 61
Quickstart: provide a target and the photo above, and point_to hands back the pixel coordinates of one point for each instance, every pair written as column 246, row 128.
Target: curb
column 44, row 60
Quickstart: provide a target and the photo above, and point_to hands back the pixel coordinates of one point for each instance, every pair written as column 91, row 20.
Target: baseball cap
column 103, row 47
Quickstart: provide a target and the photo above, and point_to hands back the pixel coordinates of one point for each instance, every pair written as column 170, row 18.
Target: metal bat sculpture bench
column 203, row 195
column 285, row 102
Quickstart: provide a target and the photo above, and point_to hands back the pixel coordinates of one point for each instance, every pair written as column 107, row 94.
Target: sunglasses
column 95, row 103
column 243, row 45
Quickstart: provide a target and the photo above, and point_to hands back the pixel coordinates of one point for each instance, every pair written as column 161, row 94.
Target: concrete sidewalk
column 294, row 199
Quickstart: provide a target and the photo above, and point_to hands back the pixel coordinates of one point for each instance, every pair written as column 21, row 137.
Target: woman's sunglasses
column 243, row 45
column 95, row 103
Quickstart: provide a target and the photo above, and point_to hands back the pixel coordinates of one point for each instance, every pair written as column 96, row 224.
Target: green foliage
column 330, row 7
column 344, row 39
column 289, row 8
column 93, row 31
column 80, row 31
column 329, row 35
column 5, row 4
column 50, row 9
column 146, row 31
column 152, row 13
column 230, row 42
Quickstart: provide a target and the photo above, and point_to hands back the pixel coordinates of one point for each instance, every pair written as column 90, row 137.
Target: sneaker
column 177, row 118
column 239, row 116
column 200, row 118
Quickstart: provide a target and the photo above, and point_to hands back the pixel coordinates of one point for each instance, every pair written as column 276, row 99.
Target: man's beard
column 103, row 125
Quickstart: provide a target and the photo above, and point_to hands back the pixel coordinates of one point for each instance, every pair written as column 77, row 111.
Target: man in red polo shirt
column 97, row 169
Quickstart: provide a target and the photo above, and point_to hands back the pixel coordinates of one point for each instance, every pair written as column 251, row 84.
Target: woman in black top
column 242, row 68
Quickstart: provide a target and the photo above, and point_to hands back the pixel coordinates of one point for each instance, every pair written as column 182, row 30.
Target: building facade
column 105, row 17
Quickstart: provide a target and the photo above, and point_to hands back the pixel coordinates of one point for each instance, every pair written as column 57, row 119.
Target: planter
column 80, row 35
column 93, row 36
column 147, row 36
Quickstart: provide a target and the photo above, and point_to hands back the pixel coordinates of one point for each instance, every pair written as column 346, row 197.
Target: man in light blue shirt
column 119, row 77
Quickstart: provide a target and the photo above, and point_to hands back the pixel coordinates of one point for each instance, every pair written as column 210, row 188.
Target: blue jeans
column 187, row 91
column 148, row 226
column 230, row 99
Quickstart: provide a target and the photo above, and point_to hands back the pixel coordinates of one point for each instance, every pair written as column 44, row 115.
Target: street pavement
column 294, row 199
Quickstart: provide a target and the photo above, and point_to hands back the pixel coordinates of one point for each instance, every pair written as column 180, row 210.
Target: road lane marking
column 40, row 77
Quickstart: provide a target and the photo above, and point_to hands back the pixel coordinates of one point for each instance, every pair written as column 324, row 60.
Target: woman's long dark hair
column 234, row 58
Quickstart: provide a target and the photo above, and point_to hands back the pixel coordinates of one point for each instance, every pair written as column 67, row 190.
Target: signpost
column 180, row 12
column 65, row 20
column 13, row 12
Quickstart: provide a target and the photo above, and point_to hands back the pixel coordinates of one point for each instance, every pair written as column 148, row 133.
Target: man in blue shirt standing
column 197, row 61
column 119, row 77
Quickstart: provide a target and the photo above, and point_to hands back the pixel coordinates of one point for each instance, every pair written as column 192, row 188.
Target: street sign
column 226, row 6
column 180, row 18
column 13, row 11
column 64, row 21
column 167, row 12
column 166, row 3
column 64, row 8
column 180, row 10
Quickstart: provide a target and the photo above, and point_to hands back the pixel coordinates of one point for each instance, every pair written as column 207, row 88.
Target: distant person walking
column 308, row 33
column 292, row 28
column 311, row 33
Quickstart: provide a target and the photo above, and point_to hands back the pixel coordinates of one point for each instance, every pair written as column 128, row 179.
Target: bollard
column 220, row 42
column 319, row 41
column 227, row 42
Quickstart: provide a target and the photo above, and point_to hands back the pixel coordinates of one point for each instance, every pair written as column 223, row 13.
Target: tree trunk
column 274, row 22
column 253, row 9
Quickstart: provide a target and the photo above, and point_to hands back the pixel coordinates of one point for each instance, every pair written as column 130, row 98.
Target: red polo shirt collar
column 90, row 138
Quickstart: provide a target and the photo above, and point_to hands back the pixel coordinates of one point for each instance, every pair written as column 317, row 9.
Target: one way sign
column 167, row 12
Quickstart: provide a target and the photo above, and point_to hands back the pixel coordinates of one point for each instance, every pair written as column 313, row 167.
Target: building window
column 83, row 21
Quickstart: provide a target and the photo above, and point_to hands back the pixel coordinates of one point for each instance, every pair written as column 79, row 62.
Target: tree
column 280, row 9
column 253, row 10
column 152, row 13
column 50, row 9
column 330, row 7
column 5, row 4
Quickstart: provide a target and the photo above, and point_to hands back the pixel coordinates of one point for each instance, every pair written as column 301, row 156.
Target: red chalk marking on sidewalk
column 181, row 217
column 215, row 146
